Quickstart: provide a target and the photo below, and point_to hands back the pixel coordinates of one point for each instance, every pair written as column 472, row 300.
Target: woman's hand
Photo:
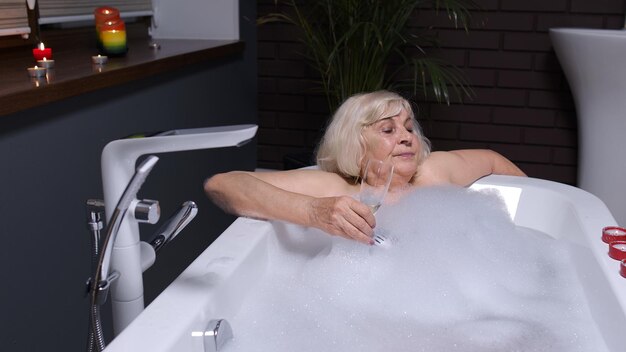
column 343, row 216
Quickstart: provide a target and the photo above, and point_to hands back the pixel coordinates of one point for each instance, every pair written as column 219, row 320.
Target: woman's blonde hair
column 342, row 148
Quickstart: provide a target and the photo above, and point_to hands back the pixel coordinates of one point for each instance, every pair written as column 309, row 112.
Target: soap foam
column 457, row 275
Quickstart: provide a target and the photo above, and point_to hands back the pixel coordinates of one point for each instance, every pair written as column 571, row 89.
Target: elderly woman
column 377, row 125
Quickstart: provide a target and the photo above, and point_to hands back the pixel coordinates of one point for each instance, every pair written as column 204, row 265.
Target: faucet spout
column 174, row 225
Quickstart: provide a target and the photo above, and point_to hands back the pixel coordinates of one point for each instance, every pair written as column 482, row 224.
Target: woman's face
column 393, row 138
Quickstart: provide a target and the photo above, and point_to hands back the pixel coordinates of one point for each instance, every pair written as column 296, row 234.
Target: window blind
column 58, row 11
column 13, row 17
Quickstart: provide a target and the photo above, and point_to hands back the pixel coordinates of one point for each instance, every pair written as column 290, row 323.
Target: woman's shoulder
column 433, row 170
column 465, row 166
column 441, row 167
column 449, row 160
column 441, row 156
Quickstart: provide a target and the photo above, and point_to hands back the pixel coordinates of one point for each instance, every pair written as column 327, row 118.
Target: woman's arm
column 305, row 197
column 463, row 167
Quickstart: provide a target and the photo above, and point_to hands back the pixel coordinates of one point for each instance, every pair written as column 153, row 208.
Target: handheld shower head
column 141, row 173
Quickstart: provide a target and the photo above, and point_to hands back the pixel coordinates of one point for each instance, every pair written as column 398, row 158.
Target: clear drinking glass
column 374, row 186
column 375, row 183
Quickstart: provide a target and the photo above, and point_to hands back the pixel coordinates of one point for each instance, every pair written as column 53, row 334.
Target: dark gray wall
column 523, row 107
column 50, row 164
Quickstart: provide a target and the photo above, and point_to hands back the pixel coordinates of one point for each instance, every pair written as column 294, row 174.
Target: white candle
column 36, row 71
column 615, row 232
column 99, row 60
column 45, row 63
column 620, row 246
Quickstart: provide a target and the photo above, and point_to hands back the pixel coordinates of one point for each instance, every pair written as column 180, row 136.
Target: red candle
column 41, row 52
column 105, row 13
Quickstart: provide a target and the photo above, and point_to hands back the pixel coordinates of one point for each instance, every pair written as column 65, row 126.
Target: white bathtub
column 216, row 283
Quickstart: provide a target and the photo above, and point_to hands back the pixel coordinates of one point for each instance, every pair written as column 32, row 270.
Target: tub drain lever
column 216, row 334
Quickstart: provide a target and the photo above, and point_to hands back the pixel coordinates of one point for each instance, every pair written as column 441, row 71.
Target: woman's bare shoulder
column 445, row 167
column 433, row 170
column 313, row 182
column 465, row 166
column 442, row 157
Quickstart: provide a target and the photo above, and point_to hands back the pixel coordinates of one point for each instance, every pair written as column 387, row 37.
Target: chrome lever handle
column 174, row 225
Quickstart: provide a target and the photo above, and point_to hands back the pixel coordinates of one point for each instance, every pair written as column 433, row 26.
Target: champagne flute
column 374, row 186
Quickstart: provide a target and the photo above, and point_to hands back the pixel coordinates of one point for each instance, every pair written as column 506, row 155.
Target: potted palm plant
column 361, row 45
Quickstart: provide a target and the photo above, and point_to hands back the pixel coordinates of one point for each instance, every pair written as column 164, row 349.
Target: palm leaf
column 350, row 43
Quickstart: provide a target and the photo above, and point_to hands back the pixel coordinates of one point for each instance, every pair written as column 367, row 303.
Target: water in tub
column 458, row 275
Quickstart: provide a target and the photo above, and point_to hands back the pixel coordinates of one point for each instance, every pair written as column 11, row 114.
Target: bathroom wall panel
column 50, row 165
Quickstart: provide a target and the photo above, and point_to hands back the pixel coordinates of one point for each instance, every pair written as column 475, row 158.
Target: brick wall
column 522, row 108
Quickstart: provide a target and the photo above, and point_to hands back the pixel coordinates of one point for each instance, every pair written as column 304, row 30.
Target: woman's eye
column 387, row 130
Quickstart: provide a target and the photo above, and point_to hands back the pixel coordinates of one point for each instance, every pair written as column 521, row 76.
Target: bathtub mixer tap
column 144, row 211
column 123, row 256
column 98, row 285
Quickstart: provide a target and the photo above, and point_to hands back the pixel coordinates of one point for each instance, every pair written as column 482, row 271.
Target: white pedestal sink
column 594, row 62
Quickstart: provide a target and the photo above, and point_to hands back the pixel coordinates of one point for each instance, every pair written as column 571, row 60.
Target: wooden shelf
column 74, row 73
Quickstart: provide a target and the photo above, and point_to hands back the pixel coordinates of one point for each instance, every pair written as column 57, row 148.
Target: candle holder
column 99, row 59
column 102, row 15
column 112, row 35
column 613, row 233
column 38, row 81
column 45, row 63
column 617, row 250
column 36, row 71
column 105, row 13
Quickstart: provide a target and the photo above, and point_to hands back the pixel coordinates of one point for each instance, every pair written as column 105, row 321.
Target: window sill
column 74, row 73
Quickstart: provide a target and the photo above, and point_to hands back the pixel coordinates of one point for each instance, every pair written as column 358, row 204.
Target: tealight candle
column 99, row 59
column 45, row 63
column 36, row 71
column 613, row 233
column 620, row 246
column 617, row 250
column 622, row 269
column 41, row 51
